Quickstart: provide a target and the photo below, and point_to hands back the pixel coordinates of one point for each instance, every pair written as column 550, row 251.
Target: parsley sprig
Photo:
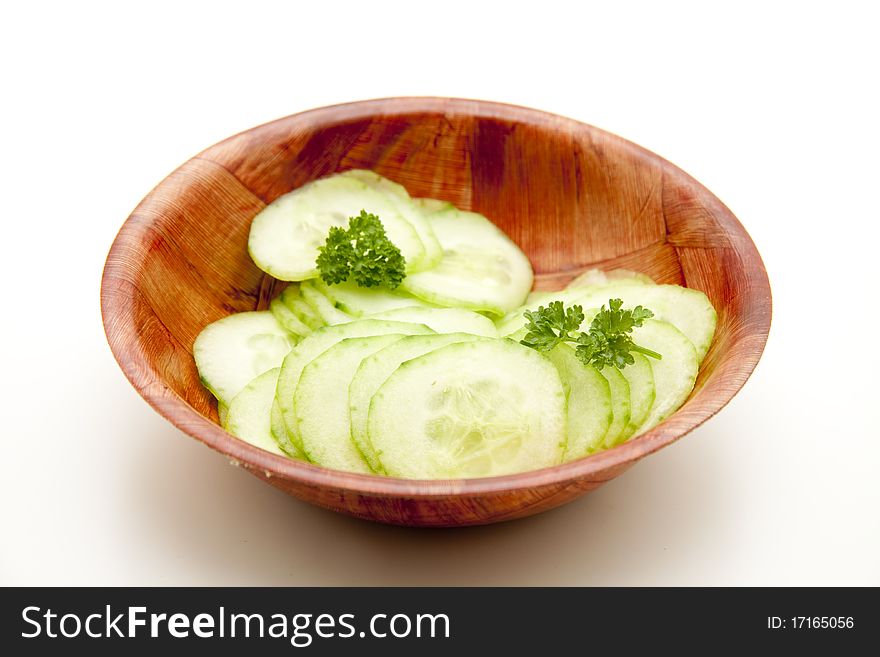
column 362, row 252
column 606, row 342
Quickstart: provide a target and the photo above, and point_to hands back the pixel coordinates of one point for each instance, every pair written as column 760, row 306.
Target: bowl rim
column 122, row 335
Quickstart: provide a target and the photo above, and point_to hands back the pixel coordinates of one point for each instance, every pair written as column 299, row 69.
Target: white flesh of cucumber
column 321, row 407
column 233, row 351
column 444, row 320
column 361, row 301
column 481, row 269
column 285, row 236
column 323, row 307
column 408, row 209
column 674, row 374
column 317, row 343
column 589, row 411
column 472, row 409
column 249, row 413
column 375, row 370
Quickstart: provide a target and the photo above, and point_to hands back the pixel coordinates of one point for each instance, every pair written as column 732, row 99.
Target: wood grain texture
column 571, row 195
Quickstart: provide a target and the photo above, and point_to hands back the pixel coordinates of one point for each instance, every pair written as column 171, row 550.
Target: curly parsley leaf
column 334, row 257
column 362, row 252
column 607, row 342
column 550, row 326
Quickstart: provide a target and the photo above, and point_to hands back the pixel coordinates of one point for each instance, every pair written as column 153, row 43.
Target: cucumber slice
column 432, row 205
column 287, row 318
column 292, row 298
column 481, row 269
column 538, row 297
column 322, row 416
column 285, row 235
column 374, row 371
column 593, row 277
column 589, row 411
column 408, row 209
column 640, row 377
column 443, row 320
column 249, row 412
column 359, row 301
column 222, row 412
column 472, row 409
column 279, row 432
column 511, row 323
column 322, row 306
column 620, row 405
column 317, row 343
column 674, row 374
column 688, row 310
column 233, row 351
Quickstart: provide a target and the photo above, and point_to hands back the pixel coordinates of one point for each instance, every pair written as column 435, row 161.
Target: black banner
column 433, row 621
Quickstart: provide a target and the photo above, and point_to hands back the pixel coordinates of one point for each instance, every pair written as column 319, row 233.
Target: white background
column 773, row 106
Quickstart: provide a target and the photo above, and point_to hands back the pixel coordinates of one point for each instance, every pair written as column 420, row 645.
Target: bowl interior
column 571, row 195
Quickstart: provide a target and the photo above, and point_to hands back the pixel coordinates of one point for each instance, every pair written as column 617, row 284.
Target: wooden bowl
column 572, row 196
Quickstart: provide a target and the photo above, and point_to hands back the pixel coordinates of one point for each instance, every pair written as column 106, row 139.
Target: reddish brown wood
column 571, row 195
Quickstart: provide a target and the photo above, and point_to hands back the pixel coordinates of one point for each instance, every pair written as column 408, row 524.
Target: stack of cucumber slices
column 430, row 380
